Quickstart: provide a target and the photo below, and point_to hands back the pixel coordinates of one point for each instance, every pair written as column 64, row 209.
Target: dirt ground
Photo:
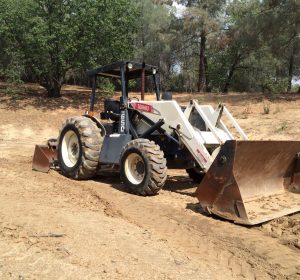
column 52, row 227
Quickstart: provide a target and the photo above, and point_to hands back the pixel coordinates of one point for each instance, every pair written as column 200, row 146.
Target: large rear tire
column 143, row 167
column 79, row 147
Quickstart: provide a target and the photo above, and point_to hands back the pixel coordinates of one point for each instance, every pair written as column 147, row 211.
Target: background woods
column 199, row 45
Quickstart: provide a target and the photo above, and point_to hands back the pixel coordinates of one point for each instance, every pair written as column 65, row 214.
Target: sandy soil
column 52, row 227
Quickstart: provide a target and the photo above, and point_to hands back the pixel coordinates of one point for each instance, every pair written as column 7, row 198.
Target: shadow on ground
column 177, row 184
column 79, row 97
column 196, row 207
column 35, row 96
column 180, row 184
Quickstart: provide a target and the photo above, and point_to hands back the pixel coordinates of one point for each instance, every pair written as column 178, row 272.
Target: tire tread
column 91, row 142
column 157, row 163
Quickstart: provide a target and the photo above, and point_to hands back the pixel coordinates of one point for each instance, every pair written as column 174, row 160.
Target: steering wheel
column 134, row 98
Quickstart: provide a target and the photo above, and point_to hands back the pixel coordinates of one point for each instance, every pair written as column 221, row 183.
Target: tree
column 218, row 45
column 153, row 42
column 202, row 18
column 79, row 35
column 11, row 55
column 56, row 37
column 262, row 45
column 241, row 36
column 282, row 18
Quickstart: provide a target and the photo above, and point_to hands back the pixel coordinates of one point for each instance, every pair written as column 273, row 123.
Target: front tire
column 143, row 167
column 79, row 147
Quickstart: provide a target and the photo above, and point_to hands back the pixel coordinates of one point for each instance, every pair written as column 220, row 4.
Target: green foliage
column 53, row 37
column 106, row 87
column 176, row 82
column 154, row 37
column 11, row 57
column 213, row 45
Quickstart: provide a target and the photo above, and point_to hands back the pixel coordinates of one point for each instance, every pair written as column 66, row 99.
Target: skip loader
column 248, row 182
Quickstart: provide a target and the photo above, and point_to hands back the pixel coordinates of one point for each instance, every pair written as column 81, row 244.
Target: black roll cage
column 125, row 131
column 125, row 71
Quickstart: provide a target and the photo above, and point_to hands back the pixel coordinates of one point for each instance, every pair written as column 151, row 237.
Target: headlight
column 153, row 71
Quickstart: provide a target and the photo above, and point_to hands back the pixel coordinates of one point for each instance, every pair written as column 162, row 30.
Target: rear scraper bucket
column 45, row 156
column 251, row 182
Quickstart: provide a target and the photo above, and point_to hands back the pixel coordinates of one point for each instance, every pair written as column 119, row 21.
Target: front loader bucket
column 251, row 182
column 45, row 156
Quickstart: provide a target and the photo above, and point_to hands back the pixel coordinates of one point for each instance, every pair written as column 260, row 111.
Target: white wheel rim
column 70, row 148
column 135, row 168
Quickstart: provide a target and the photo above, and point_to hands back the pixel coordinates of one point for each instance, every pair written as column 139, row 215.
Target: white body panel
column 213, row 132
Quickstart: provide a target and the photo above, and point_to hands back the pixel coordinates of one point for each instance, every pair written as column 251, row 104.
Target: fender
column 97, row 122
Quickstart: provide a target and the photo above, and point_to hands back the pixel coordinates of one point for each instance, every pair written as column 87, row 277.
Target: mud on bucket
column 251, row 182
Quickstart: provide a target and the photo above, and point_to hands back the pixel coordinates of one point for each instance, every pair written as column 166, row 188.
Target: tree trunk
column 299, row 89
column 53, row 87
column 229, row 77
column 291, row 70
column 202, row 74
column 230, row 74
column 208, row 89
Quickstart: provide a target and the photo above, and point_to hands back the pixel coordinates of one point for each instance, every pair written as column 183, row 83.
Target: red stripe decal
column 202, row 156
column 142, row 107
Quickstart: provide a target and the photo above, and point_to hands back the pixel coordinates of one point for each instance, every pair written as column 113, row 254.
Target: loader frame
column 248, row 182
column 179, row 134
column 124, row 71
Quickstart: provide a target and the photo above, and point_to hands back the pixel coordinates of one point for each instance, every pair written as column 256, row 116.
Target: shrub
column 266, row 108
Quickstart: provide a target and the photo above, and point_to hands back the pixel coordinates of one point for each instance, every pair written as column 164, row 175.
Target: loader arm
column 196, row 140
column 176, row 121
column 249, row 182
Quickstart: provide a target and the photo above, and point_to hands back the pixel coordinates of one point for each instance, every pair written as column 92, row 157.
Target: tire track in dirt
column 286, row 229
column 34, row 264
column 88, row 199
column 246, row 251
column 233, row 251
column 33, row 255
column 31, row 193
column 37, row 198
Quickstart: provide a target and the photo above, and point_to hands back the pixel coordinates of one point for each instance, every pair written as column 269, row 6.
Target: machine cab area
column 124, row 71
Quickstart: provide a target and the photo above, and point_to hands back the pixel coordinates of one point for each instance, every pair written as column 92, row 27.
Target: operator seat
column 111, row 110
